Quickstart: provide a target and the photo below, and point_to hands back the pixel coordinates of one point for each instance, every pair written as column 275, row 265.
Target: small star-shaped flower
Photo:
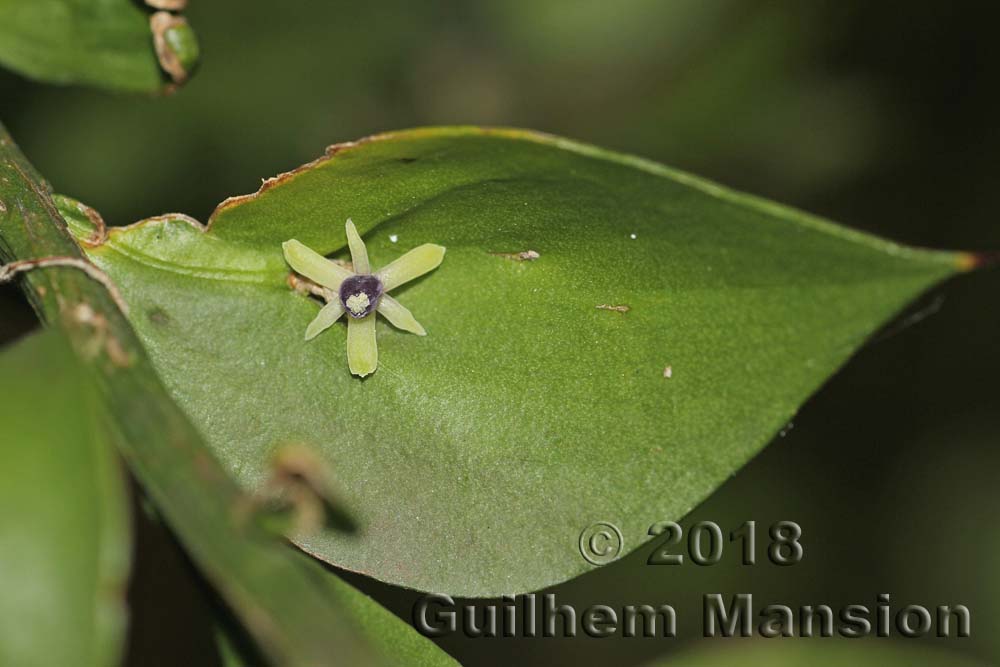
column 362, row 292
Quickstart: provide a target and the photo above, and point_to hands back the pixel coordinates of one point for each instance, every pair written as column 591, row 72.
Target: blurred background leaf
column 102, row 43
column 64, row 524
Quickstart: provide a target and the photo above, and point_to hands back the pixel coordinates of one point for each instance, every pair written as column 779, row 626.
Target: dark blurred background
column 879, row 115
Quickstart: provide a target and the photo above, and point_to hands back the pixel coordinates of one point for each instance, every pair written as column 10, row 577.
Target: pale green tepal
column 361, row 292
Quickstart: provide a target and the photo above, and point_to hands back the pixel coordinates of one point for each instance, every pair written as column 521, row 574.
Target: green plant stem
column 278, row 596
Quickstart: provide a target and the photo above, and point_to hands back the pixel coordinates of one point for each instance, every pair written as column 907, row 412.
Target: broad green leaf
column 105, row 43
column 818, row 653
column 607, row 340
column 64, row 527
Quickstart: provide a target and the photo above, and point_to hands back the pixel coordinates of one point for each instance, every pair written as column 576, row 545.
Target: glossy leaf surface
column 607, row 340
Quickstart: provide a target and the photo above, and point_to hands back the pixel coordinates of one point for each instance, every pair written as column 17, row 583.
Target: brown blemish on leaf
column 3, row 207
column 523, row 256
column 618, row 308
column 158, row 316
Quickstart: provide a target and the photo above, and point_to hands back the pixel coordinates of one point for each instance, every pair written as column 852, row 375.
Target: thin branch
column 9, row 271
column 285, row 601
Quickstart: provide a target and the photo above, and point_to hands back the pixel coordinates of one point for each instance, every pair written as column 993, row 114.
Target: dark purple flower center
column 359, row 295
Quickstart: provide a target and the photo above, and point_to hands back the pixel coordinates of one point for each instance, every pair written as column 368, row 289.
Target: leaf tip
column 973, row 261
